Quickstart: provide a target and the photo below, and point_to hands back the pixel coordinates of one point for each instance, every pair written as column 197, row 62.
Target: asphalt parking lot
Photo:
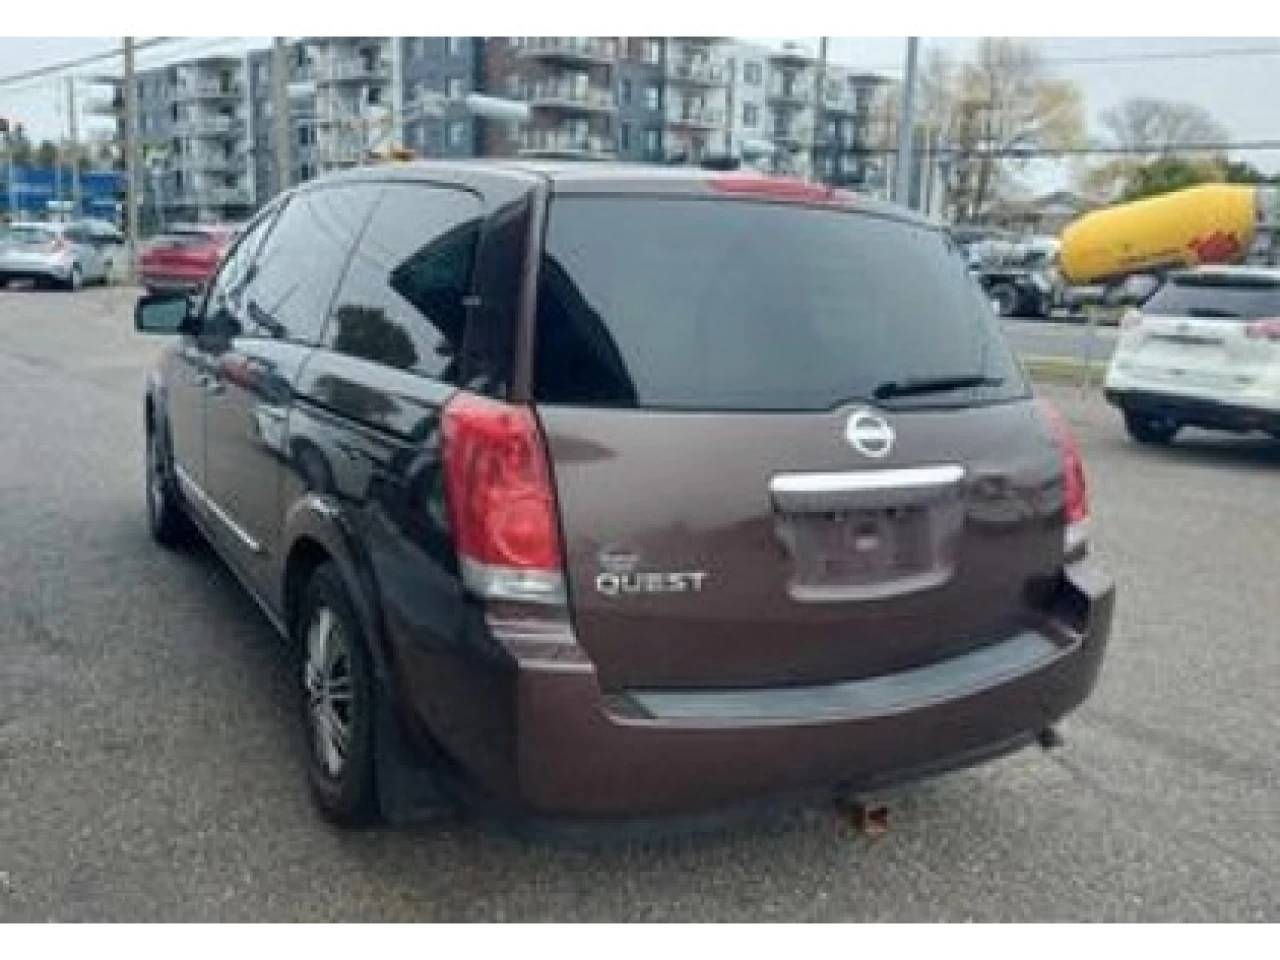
column 150, row 769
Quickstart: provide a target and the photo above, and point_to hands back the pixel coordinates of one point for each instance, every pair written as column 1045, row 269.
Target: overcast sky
column 1237, row 89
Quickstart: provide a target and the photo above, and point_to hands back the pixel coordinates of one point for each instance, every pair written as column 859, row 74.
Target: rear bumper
column 155, row 279
column 1195, row 411
column 571, row 751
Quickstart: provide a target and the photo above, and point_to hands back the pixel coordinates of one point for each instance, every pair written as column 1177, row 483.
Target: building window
column 653, row 51
column 625, row 91
column 653, row 96
column 750, row 114
column 457, row 133
column 653, row 142
column 456, row 88
column 753, row 73
column 457, row 46
column 624, row 136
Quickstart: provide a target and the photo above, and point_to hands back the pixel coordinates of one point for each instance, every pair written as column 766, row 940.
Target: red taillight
column 1263, row 330
column 1075, row 492
column 502, row 507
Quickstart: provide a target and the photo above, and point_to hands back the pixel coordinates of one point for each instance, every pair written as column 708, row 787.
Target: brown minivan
column 601, row 492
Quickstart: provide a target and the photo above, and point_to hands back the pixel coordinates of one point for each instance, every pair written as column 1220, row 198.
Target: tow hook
column 1049, row 738
column 868, row 817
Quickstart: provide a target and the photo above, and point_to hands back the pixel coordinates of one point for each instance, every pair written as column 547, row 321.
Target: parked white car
column 1203, row 351
column 66, row 255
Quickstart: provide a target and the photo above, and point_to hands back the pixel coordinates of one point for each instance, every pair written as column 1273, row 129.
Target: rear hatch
column 24, row 245
column 191, row 253
column 789, row 443
column 1200, row 332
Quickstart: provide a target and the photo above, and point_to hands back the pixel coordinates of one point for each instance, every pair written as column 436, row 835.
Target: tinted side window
column 224, row 300
column 403, row 301
column 301, row 261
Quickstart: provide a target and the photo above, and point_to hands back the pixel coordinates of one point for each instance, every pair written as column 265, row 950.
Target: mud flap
column 408, row 785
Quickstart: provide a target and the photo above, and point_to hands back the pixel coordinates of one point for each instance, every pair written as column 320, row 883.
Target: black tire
column 346, row 792
column 1145, row 428
column 1006, row 299
column 166, row 513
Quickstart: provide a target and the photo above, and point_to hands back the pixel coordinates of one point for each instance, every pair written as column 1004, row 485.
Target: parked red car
column 184, row 257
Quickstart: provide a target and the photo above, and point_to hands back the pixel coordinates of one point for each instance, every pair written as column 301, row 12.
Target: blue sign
column 33, row 189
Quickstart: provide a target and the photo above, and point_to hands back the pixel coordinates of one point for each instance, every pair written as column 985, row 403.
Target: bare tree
column 1149, row 129
column 1002, row 100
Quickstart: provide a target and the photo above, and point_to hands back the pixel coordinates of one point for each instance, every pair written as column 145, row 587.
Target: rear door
column 269, row 330
column 757, row 484
column 1194, row 332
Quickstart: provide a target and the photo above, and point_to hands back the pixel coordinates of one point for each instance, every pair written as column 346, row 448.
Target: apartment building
column 640, row 99
column 194, row 124
column 838, row 137
column 569, row 85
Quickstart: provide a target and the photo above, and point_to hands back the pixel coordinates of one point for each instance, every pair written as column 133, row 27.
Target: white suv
column 1204, row 351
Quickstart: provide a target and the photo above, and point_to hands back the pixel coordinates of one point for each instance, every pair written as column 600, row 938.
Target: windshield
column 1229, row 297
column 718, row 305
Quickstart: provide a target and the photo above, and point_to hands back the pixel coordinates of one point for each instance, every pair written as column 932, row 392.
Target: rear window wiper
column 917, row 386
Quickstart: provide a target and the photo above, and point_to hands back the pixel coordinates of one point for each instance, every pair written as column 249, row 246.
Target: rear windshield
column 184, row 238
column 28, row 235
column 735, row 305
column 1228, row 297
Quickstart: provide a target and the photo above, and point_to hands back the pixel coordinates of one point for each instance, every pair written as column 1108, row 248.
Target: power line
column 40, row 73
column 1032, row 153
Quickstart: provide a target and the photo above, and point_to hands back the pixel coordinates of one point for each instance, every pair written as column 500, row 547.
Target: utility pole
column 906, row 128
column 131, row 157
column 73, row 127
column 281, row 127
column 819, row 111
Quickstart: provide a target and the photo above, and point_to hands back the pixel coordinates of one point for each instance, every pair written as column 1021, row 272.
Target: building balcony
column 212, row 163
column 354, row 71
column 227, row 196
column 565, row 143
column 697, row 71
column 791, row 134
column 790, row 54
column 570, row 49
column 208, row 91
column 694, row 115
column 216, row 127
column 341, row 153
column 794, row 93
column 563, row 95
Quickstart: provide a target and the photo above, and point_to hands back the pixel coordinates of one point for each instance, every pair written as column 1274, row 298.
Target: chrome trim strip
column 193, row 488
column 864, row 481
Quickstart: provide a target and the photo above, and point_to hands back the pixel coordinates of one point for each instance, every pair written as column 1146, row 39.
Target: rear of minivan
column 771, row 509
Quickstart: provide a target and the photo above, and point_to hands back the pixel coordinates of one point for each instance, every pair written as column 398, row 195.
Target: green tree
column 1166, row 174
column 1148, row 130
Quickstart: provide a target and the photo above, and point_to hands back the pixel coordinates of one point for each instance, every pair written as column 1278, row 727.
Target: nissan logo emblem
column 869, row 434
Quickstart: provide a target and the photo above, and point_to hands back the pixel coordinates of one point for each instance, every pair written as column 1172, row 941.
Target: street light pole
column 281, row 127
column 131, row 157
column 906, row 128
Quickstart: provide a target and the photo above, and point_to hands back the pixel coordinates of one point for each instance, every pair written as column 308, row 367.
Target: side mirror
column 162, row 313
